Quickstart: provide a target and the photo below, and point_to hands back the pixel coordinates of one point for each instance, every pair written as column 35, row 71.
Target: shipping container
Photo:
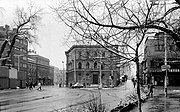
column 13, row 83
column 4, row 83
column 4, row 71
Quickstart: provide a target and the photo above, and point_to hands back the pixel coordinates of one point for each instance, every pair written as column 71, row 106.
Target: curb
column 130, row 105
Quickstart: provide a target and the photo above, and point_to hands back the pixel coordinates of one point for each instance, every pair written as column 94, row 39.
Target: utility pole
column 100, row 73
column 165, row 56
column 63, row 74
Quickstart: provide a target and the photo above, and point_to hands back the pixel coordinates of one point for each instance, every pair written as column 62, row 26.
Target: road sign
column 165, row 67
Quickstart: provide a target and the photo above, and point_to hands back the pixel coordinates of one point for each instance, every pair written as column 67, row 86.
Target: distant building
column 86, row 63
column 32, row 71
column 59, row 77
column 154, row 59
column 42, row 69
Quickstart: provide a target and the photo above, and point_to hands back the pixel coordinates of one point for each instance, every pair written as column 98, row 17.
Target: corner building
column 154, row 59
column 86, row 63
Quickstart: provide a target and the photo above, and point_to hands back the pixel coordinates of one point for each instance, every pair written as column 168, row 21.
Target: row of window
column 160, row 47
column 88, row 54
column 20, row 49
column 95, row 65
column 20, row 64
column 22, row 41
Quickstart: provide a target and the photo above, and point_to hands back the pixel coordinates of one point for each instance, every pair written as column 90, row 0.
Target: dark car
column 77, row 85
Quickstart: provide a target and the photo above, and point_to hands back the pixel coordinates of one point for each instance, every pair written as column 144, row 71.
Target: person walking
column 30, row 86
column 39, row 86
column 151, row 90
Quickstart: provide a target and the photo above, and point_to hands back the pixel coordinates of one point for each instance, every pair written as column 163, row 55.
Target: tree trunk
column 138, row 82
column 3, row 48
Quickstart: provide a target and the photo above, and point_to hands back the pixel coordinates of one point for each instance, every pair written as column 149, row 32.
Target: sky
column 50, row 33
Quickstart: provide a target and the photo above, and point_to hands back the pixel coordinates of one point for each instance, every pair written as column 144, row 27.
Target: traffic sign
column 165, row 67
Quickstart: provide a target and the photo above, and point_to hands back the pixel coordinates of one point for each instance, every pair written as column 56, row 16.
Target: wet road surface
column 52, row 98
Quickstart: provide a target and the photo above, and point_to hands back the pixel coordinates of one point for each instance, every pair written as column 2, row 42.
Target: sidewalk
column 160, row 103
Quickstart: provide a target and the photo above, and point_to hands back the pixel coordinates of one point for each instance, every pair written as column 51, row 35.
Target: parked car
column 77, row 85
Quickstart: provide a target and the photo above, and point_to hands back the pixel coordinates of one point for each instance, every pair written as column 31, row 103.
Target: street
column 53, row 98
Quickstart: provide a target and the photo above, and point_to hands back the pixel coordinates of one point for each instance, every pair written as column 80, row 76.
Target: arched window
column 87, row 65
column 95, row 65
column 79, row 65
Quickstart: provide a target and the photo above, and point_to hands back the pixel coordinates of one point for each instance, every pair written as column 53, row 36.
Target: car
column 77, row 85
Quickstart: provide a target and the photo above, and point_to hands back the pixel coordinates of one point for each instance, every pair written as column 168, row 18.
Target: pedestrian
column 60, row 85
column 39, row 86
column 151, row 90
column 30, row 86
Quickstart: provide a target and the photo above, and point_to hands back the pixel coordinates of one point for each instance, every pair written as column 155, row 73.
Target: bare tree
column 125, row 23
column 26, row 21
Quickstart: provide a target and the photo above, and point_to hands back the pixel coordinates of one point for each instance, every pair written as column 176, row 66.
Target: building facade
column 18, row 55
column 154, row 59
column 42, row 69
column 91, row 64
column 59, row 77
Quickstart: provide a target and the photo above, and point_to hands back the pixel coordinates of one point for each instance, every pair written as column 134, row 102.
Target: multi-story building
column 32, row 76
column 91, row 64
column 42, row 69
column 59, row 77
column 154, row 59
column 18, row 55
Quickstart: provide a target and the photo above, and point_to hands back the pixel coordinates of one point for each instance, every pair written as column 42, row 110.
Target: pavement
column 160, row 103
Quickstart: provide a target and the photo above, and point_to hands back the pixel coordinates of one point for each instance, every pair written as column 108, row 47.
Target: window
column 159, row 47
column 24, row 58
column 17, row 40
column 87, row 65
column 95, row 65
column 79, row 54
column 79, row 65
column 25, row 65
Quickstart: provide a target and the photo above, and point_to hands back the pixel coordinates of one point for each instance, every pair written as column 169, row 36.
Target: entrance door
column 95, row 78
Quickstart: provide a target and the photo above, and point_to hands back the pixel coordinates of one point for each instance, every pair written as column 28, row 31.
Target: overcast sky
column 50, row 33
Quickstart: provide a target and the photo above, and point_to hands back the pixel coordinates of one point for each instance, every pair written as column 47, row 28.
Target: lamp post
column 63, row 74
column 165, row 52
